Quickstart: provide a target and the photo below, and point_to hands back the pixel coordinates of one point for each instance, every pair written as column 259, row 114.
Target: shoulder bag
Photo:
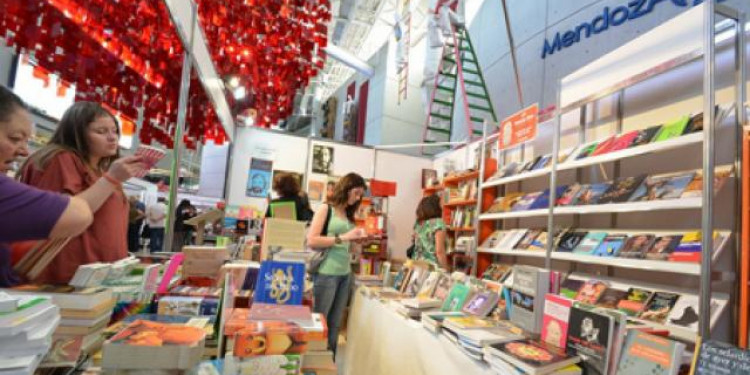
column 319, row 256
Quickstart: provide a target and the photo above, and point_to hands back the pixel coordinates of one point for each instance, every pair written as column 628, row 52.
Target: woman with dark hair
column 429, row 233
column 82, row 160
column 287, row 188
column 182, row 233
column 332, row 283
column 27, row 213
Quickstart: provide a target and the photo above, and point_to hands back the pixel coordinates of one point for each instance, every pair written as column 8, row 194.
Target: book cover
column 591, row 291
column 270, row 338
column 634, row 302
column 663, row 246
column 590, row 194
column 672, row 129
column 456, row 298
column 648, row 354
column 416, row 278
column 269, row 311
column 611, row 245
column 527, row 239
column 429, row 284
column 282, row 364
column 555, row 320
column 645, row 136
column 429, row 178
column 543, row 200
column 534, row 357
column 497, row 206
column 511, row 200
column 525, row 203
column 624, row 141
column 590, row 337
column 523, row 311
column 401, row 277
column 695, row 188
column 590, row 243
column 586, row 151
column 540, row 242
column 610, row 298
column 568, row 196
column 543, row 162
column 496, row 272
column 511, row 241
column 443, row 287
column 507, row 170
column 570, row 288
column 280, row 283
column 636, row 246
column 604, row 146
column 530, row 285
column 147, row 333
column 570, row 240
column 663, row 186
column 64, row 352
column 659, row 306
column 480, row 304
column 622, row 189
column 684, row 314
column 530, row 166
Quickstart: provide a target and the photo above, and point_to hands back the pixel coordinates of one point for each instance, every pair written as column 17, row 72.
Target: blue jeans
column 157, row 239
column 331, row 295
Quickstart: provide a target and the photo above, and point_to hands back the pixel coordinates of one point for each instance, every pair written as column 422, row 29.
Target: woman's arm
column 120, row 171
column 440, row 249
column 74, row 220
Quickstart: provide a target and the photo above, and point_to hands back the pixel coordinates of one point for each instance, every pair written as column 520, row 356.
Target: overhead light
column 240, row 93
column 234, row 82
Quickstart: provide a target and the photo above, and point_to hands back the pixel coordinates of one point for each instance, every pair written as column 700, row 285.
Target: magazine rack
column 680, row 43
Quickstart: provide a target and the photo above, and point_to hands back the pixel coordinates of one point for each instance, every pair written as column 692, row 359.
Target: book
column 19, row 365
column 590, row 194
column 570, row 240
column 610, row 245
column 622, row 189
column 8, row 303
column 590, row 243
column 26, row 305
column 496, row 272
column 530, row 285
column 527, row 239
column 513, row 239
column 417, row 276
column 586, row 150
column 634, row 302
column 543, row 162
column 419, row 303
column 150, row 345
column 510, row 201
column 568, row 196
column 456, row 298
column 280, row 283
column 645, row 136
column 662, row 247
column 66, row 297
column 685, row 312
column 591, row 291
column 286, row 364
column 543, row 200
column 663, row 186
column 659, row 306
column 570, row 288
column 467, row 322
column 590, row 336
column 533, row 357
column 433, row 320
column 672, row 129
column 555, row 321
column 695, row 188
column 625, row 140
column 526, row 202
column 481, row 303
column 63, row 352
column 539, row 243
column 270, row 338
column 90, row 275
column 299, row 314
column 443, row 287
column 192, row 306
column 636, row 246
column 429, row 284
column 648, row 354
column 34, row 340
column 610, row 298
column 604, row 146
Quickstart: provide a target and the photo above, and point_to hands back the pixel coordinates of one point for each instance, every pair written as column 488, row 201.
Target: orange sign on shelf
column 519, row 127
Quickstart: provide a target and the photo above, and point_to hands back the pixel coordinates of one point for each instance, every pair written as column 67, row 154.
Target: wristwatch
column 338, row 240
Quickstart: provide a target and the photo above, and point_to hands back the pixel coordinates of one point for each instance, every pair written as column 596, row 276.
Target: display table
column 380, row 341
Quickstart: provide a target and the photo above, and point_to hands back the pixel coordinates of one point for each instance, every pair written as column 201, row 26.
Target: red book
column 680, row 256
column 604, row 147
column 267, row 311
column 555, row 322
column 624, row 141
column 270, row 338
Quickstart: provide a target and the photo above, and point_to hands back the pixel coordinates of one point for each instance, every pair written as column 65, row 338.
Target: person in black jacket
column 182, row 232
column 287, row 188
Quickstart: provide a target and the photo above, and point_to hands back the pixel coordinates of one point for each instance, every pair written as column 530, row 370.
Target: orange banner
column 519, row 127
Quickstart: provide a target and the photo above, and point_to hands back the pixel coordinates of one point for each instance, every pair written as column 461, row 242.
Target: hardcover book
column 695, row 188
column 659, row 306
column 568, row 196
column 555, row 321
column 481, row 303
column 590, row 336
column 645, row 136
column 622, row 189
column 648, row 354
column 663, row 246
column 636, row 246
column 591, row 291
column 457, row 297
column 634, row 302
column 530, row 285
column 610, row 298
column 280, row 282
column 611, row 245
column 526, row 202
column 590, row 243
column 590, row 194
column 672, row 129
column 571, row 287
column 570, row 240
column 533, row 357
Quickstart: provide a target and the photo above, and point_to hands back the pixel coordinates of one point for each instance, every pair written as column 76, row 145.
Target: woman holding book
column 429, row 233
column 82, row 160
column 27, row 213
column 333, row 280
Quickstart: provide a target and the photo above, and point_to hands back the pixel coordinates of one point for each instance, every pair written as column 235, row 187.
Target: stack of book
column 26, row 327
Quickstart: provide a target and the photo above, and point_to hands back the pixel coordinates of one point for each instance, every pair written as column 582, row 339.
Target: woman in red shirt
column 82, row 160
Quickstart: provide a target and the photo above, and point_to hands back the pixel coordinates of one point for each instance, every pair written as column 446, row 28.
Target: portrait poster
column 322, row 159
column 259, row 178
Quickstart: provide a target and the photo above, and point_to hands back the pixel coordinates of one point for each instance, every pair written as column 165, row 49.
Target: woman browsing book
column 429, row 233
column 82, row 160
column 333, row 279
column 27, row 213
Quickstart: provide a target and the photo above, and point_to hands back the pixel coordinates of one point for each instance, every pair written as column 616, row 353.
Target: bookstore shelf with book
column 467, row 202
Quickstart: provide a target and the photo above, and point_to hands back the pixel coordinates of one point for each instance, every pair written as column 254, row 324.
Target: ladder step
column 477, row 119
column 451, row 75
column 443, row 102
column 448, row 89
column 474, row 83
column 471, row 71
column 474, row 106
column 439, row 130
column 449, row 59
column 438, row 115
column 473, row 95
column 477, row 131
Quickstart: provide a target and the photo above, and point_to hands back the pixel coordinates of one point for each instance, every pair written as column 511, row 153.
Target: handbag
column 320, row 255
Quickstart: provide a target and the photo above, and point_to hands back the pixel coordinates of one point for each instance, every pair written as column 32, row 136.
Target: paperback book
column 570, row 288
column 526, row 202
column 645, row 136
column 604, row 146
column 659, row 306
column 611, row 245
column 636, row 246
column 590, row 243
column 529, row 287
column 543, row 200
column 663, row 246
column 624, row 141
column 568, row 196
column 481, row 303
column 590, row 194
column 590, row 336
column 672, row 129
column 634, row 302
column 570, row 240
column 664, row 186
column 591, row 291
column 457, row 297
column 533, row 357
column 611, row 298
column 586, row 151
column 695, row 188
column 684, row 314
column 622, row 189
column 555, row 321
column 528, row 238
column 648, row 354
column 280, row 283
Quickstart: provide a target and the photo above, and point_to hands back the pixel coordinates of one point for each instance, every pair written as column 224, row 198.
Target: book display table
column 380, row 341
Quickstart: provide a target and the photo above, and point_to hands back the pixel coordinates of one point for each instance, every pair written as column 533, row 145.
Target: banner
column 259, row 178
column 519, row 127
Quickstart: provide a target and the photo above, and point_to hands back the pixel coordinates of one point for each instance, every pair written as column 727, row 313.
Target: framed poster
column 322, row 159
column 259, row 178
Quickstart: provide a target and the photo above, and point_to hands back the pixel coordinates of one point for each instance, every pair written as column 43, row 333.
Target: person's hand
column 124, row 168
column 354, row 235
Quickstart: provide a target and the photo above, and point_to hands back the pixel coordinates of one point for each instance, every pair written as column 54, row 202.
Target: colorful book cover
column 590, row 243
column 481, row 303
column 456, row 298
column 271, row 311
column 534, row 357
column 528, row 238
column 555, row 321
column 591, row 291
column 663, row 246
column 611, row 245
column 540, row 242
column 571, row 287
column 695, row 188
column 543, row 162
column 684, row 314
column 604, row 147
column 672, row 129
column 611, row 297
column 586, row 151
column 622, row 189
column 659, row 306
column 522, row 310
column 280, row 282
column 648, row 354
column 191, row 306
column 286, row 364
column 510, row 201
column 496, row 272
column 147, row 333
column 270, row 338
column 568, row 196
column 591, row 193
column 429, row 284
column 570, row 240
column 645, row 136
column 443, row 287
column 624, row 141
column 526, row 202
column 590, row 337
column 636, row 246
column 634, row 302
column 416, row 278
column 543, row 200
column 512, row 240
